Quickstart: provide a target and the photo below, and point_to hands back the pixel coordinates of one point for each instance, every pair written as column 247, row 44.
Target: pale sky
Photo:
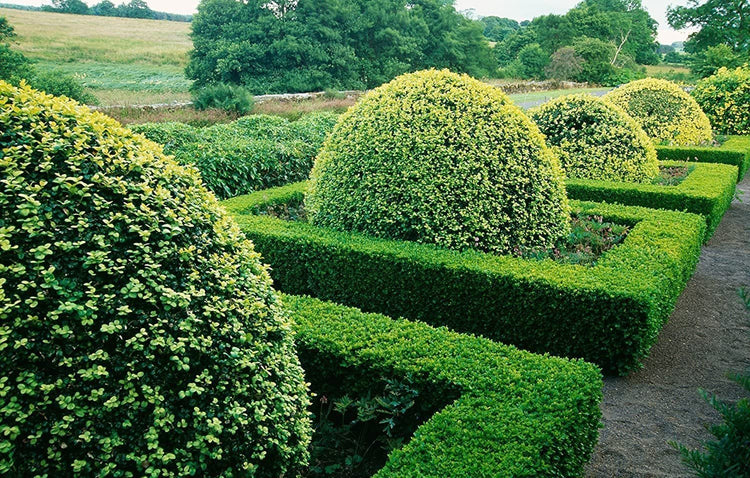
column 516, row 9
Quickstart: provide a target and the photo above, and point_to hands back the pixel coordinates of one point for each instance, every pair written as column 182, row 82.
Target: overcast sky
column 516, row 9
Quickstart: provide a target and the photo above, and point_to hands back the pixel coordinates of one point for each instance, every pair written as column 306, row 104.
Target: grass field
column 114, row 57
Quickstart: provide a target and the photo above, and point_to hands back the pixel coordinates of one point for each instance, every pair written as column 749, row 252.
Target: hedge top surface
column 665, row 111
column 725, row 97
column 517, row 413
column 437, row 157
column 139, row 332
column 596, row 139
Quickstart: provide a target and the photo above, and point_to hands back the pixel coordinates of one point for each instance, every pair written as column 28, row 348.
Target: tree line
column 105, row 8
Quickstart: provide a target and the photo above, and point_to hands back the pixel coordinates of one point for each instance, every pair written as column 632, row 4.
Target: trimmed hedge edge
column 708, row 191
column 517, row 414
column 609, row 314
column 735, row 151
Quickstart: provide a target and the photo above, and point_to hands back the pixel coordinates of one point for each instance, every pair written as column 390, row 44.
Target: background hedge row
column 508, row 413
column 252, row 153
column 735, row 150
column 708, row 190
column 609, row 314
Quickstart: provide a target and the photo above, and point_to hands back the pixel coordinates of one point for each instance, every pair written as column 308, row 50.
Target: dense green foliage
column 496, row 28
column 595, row 139
column 436, row 157
column 665, row 111
column 735, row 151
column 707, row 62
column 140, row 332
column 725, row 98
column 609, row 314
column 105, row 8
column 708, row 190
column 252, row 153
column 719, row 22
column 505, row 412
column 236, row 99
column 610, row 35
column 313, row 45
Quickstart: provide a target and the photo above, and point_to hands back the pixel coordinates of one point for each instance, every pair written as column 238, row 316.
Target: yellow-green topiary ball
column 437, row 157
column 725, row 97
column 139, row 332
column 665, row 111
column 595, row 139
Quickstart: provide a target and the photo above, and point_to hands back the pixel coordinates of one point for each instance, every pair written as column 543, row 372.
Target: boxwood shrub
column 252, row 153
column 664, row 110
column 708, row 190
column 440, row 158
column 595, row 139
column 139, row 332
column 509, row 412
column 735, row 151
column 609, row 313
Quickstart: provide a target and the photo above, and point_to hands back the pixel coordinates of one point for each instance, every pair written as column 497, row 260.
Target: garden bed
column 707, row 190
column 735, row 151
column 609, row 313
column 502, row 411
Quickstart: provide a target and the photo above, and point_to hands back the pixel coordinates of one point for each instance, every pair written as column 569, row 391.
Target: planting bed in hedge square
column 735, row 151
column 609, row 313
column 708, row 190
column 502, row 411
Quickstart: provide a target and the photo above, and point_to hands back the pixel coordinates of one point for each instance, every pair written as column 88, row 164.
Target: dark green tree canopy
column 496, row 28
column 720, row 21
column 307, row 45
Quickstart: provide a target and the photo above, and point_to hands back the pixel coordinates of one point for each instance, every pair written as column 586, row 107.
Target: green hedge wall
column 735, row 151
column 708, row 191
column 609, row 314
column 517, row 414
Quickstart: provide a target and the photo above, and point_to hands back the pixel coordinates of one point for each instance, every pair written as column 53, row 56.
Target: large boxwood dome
column 595, row 139
column 441, row 158
column 665, row 111
column 140, row 334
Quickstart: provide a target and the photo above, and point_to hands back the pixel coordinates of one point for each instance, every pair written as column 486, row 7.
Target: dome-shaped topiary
column 140, row 334
column 725, row 97
column 595, row 139
column 437, row 157
column 665, row 111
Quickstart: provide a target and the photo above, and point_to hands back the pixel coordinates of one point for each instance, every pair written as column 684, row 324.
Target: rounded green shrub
column 665, row 111
column 725, row 97
column 437, row 157
column 140, row 334
column 595, row 139
column 172, row 135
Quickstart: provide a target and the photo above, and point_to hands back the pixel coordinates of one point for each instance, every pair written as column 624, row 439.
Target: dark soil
column 707, row 336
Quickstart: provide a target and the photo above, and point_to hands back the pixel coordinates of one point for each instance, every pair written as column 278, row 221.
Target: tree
column 135, row 9
column 14, row 66
column 596, row 55
column 720, row 21
column 496, row 28
column 707, row 62
column 564, row 65
column 77, row 7
column 533, row 61
column 104, row 8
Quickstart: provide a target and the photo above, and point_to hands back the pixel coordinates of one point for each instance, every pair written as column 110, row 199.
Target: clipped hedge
column 440, row 158
column 595, row 139
column 725, row 97
column 735, row 151
column 252, row 153
column 609, row 314
column 139, row 332
column 708, row 190
column 665, row 111
column 516, row 414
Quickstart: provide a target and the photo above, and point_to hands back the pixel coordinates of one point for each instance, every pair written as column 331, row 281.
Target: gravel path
column 707, row 336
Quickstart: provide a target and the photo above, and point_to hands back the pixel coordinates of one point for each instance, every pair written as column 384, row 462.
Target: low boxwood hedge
column 609, row 313
column 735, row 150
column 708, row 190
column 516, row 413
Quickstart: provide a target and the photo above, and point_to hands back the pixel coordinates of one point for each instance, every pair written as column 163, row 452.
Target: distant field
column 109, row 55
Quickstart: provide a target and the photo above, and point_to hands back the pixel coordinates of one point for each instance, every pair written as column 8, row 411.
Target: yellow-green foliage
column 436, row 157
column 725, row 97
column 595, row 139
column 666, row 113
column 139, row 332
